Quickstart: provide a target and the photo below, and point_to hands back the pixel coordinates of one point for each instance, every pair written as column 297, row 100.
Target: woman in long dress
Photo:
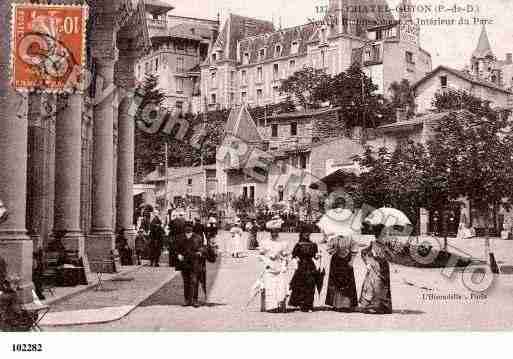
column 341, row 294
column 376, row 296
column 236, row 240
column 303, row 282
column 274, row 255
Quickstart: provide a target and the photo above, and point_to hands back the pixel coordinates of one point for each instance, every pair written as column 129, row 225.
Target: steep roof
column 284, row 38
column 241, row 125
column 483, row 49
column 463, row 75
column 236, row 28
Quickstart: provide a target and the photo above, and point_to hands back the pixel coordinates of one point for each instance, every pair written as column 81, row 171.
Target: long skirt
column 341, row 284
column 376, row 296
column 236, row 244
column 303, row 286
column 253, row 243
column 275, row 290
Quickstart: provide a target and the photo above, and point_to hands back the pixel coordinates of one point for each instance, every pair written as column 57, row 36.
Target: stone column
column 126, row 144
column 68, row 160
column 15, row 246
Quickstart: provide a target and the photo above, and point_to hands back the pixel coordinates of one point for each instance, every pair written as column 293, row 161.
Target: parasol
column 388, row 217
column 337, row 222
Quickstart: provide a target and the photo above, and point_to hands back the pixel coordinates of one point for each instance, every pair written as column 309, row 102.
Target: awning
column 337, row 178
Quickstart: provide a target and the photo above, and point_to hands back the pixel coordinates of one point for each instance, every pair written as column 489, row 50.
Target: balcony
column 157, row 23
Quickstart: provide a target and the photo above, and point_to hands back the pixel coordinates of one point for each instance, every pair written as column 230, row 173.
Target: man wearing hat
column 191, row 255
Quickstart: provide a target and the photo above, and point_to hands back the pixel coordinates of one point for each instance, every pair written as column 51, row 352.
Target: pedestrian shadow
column 171, row 293
column 408, row 312
column 210, row 304
column 508, row 270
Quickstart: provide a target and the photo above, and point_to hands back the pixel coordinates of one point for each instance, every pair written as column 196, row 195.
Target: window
column 189, row 181
column 443, row 81
column 180, row 46
column 179, row 107
column 379, row 35
column 261, row 54
column 214, row 57
column 409, row 57
column 213, row 79
column 280, row 193
column 323, row 35
column 245, row 59
column 260, row 75
column 275, row 71
column 292, row 65
column 232, row 78
column 277, row 51
column 180, row 64
column 376, row 53
column 156, row 64
column 213, row 99
column 259, row 94
column 293, row 129
column 323, row 59
column 179, row 85
column 232, row 98
column 243, row 96
column 245, row 192
column 303, row 161
column 244, row 77
column 252, row 193
column 274, row 130
column 294, row 47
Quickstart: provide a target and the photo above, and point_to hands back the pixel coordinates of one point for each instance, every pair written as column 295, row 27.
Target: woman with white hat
column 274, row 254
column 236, row 242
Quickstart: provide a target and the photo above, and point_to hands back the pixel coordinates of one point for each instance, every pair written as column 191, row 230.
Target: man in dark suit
column 191, row 255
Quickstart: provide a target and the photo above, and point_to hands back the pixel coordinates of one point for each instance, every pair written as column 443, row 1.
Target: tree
column 355, row 93
column 403, row 97
column 306, row 86
column 475, row 152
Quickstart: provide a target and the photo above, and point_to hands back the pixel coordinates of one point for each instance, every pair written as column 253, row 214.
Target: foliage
column 242, row 205
column 306, row 86
column 403, row 97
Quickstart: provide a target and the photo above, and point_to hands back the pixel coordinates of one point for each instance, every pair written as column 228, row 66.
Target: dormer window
column 245, row 58
column 261, row 54
column 294, row 48
column 277, row 50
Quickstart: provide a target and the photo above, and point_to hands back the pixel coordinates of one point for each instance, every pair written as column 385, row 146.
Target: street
column 423, row 299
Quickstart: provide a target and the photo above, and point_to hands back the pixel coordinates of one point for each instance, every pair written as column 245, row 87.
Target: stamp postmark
column 48, row 49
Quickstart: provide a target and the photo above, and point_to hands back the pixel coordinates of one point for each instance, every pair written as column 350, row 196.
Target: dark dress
column 253, row 231
column 376, row 296
column 341, row 284
column 303, row 281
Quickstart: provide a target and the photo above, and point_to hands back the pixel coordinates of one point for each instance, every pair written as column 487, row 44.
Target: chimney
column 509, row 58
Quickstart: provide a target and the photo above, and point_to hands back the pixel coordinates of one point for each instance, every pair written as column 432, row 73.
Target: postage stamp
column 48, row 47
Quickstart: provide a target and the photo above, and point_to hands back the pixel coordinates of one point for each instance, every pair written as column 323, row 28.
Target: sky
column 450, row 45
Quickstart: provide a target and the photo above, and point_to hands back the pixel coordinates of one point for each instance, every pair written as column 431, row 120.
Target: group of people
column 309, row 277
column 190, row 246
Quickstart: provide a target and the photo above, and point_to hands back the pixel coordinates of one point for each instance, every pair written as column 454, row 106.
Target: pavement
column 423, row 299
column 119, row 295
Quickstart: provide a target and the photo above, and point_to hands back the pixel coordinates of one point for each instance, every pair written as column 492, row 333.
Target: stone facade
column 250, row 58
column 179, row 46
column 68, row 163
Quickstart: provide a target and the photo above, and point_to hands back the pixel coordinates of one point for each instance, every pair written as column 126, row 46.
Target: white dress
column 236, row 240
column 274, row 255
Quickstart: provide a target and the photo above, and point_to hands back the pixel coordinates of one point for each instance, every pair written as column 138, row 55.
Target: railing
column 157, row 23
